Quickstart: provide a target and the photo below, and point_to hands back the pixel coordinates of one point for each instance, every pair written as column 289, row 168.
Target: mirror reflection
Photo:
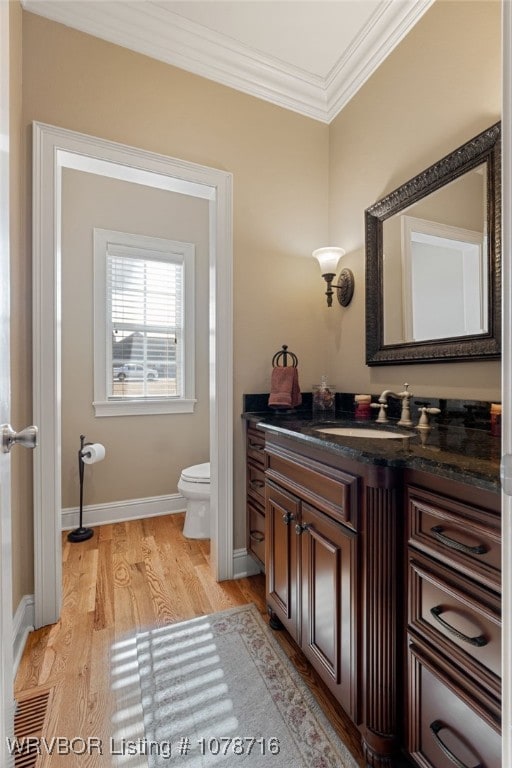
column 435, row 264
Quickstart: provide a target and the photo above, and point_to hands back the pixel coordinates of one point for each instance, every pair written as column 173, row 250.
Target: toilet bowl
column 194, row 485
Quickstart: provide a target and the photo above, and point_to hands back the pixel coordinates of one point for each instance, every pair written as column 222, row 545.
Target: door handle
column 27, row 437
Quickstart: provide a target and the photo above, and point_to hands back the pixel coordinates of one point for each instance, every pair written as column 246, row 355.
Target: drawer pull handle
column 479, row 641
column 256, row 447
column 257, row 536
column 288, row 517
column 437, row 531
column 257, row 484
column 437, row 726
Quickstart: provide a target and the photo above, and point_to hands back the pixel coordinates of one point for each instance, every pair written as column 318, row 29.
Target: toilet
column 194, row 485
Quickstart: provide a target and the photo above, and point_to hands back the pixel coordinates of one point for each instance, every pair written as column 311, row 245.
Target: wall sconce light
column 329, row 258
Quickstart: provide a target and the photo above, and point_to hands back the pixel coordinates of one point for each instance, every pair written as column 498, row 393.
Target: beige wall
column 279, row 162
column 440, row 87
column 145, row 454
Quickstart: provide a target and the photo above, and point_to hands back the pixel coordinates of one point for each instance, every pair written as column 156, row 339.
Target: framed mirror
column 433, row 261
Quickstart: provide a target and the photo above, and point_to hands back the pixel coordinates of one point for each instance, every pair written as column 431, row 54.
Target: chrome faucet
column 405, row 397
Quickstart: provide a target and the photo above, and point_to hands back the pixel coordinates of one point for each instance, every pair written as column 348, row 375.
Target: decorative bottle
column 324, row 400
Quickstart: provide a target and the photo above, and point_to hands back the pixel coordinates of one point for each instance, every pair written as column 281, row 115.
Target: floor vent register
column 30, row 722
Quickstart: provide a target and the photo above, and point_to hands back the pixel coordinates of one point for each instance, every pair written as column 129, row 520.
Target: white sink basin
column 366, row 433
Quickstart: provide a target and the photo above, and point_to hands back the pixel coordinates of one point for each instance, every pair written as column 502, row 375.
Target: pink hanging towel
column 284, row 388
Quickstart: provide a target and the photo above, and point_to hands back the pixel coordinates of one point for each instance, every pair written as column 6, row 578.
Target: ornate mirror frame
column 484, row 148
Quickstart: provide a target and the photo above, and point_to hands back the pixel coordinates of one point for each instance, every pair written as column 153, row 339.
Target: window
column 144, row 324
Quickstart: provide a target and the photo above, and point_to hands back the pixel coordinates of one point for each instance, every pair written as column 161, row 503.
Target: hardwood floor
column 128, row 577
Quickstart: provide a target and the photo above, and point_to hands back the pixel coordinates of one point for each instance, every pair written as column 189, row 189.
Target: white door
column 7, row 435
column 6, row 682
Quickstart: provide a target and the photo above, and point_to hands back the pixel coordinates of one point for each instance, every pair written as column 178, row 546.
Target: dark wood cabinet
column 282, row 557
column 453, row 624
column 255, row 493
column 328, row 599
column 333, row 549
column 311, row 563
column 389, row 580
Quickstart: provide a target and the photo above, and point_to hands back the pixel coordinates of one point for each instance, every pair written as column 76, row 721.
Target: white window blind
column 145, row 317
column 143, row 325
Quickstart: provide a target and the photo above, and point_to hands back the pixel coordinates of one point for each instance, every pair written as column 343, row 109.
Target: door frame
column 6, row 616
column 506, row 374
column 57, row 148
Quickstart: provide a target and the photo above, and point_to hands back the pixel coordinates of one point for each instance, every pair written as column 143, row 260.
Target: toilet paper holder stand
column 81, row 533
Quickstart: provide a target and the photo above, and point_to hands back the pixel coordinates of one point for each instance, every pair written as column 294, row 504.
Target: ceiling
column 309, row 56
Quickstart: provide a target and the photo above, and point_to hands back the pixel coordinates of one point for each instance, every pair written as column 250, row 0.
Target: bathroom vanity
column 382, row 560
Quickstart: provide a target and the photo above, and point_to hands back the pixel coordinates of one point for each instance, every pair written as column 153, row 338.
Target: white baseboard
column 120, row 511
column 22, row 624
column 244, row 564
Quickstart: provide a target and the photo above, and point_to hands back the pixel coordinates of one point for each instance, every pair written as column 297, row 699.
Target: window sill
column 143, row 407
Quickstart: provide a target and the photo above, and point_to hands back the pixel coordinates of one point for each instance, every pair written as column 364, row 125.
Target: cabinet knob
column 300, row 528
column 288, row 517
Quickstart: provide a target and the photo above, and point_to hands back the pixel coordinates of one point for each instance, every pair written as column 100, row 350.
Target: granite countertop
column 455, row 452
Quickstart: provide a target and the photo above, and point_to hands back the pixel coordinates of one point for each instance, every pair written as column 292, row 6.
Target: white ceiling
column 310, row 56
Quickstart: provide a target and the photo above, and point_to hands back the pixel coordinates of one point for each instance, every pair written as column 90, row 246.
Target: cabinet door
column 282, row 513
column 328, row 600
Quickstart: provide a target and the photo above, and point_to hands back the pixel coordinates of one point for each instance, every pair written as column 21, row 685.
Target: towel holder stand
column 280, row 359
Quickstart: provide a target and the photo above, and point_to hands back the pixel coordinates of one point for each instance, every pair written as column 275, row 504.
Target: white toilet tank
column 194, row 486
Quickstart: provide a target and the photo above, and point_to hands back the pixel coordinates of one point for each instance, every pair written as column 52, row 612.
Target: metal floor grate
column 29, row 721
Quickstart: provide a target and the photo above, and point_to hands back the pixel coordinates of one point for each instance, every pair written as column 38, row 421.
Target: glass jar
column 324, row 401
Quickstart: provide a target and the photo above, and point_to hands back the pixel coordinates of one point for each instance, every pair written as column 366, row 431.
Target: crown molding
column 157, row 32
column 385, row 30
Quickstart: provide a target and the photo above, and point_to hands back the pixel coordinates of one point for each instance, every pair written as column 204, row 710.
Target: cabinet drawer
column 256, row 482
column 458, row 618
column 256, row 446
column 466, row 538
column 328, row 489
column 444, row 730
column 256, row 534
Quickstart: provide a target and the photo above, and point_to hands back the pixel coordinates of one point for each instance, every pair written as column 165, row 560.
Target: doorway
column 54, row 150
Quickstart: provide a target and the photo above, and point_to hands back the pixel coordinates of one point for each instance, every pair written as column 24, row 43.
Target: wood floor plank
column 165, row 596
column 30, row 665
column 104, row 532
column 127, row 603
column 104, row 605
column 134, row 537
column 89, row 580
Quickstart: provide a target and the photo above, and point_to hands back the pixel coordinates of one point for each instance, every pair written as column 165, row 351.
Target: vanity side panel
column 382, row 555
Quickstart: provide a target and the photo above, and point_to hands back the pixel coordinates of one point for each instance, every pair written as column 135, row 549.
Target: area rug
column 219, row 691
